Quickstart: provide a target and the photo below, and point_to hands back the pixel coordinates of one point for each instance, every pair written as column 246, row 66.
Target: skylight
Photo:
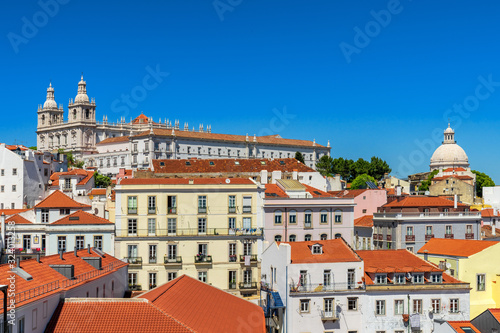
column 188, row 163
column 212, row 163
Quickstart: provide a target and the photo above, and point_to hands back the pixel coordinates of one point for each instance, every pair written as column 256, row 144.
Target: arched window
column 87, row 113
column 307, row 237
column 43, row 119
column 324, row 236
column 338, row 216
column 324, row 216
column 338, row 235
column 277, row 217
column 277, row 238
column 74, row 114
column 292, row 238
column 292, row 217
column 308, row 219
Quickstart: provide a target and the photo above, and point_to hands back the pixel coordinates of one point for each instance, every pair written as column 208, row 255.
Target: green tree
column 344, row 168
column 360, row 181
column 426, row 183
column 72, row 163
column 361, row 167
column 482, row 180
column 325, row 165
column 101, row 180
column 378, row 168
column 32, row 147
column 299, row 157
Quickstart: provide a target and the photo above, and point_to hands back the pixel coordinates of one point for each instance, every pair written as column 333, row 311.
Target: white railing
column 427, row 215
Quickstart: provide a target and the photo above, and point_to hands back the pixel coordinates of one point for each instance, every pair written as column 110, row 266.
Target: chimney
column 88, row 248
column 76, row 254
column 18, row 261
column 38, row 257
column 61, row 255
column 295, row 174
column 455, row 201
column 398, row 190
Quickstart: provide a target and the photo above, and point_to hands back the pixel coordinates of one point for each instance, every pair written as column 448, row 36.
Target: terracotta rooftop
column 59, row 200
column 8, row 212
column 111, row 315
column 116, row 139
column 495, row 312
column 486, row 231
column 86, row 176
column 348, row 193
column 334, row 250
column 18, row 219
column 455, row 247
column 456, row 169
column 141, row 119
column 185, row 181
column 15, row 147
column 423, row 201
column 452, row 176
column 228, row 165
column 489, row 212
column 98, row 191
column 204, row 308
column 274, row 191
column 81, row 217
column 269, row 139
column 457, row 326
column 364, row 221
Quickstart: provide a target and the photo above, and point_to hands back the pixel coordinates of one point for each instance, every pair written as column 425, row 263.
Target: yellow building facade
column 471, row 261
column 209, row 229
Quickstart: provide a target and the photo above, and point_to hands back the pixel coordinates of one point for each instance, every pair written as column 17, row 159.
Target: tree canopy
column 101, row 180
column 349, row 170
column 482, row 180
column 299, row 157
column 360, row 181
column 426, row 183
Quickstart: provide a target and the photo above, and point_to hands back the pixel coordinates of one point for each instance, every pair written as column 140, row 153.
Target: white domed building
column 449, row 154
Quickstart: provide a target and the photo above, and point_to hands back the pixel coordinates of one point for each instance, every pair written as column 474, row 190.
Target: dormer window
column 399, row 278
column 317, row 249
column 418, row 278
column 436, row 277
column 381, row 278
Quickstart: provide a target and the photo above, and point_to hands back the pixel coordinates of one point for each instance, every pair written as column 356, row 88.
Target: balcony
column 380, row 237
column 132, row 210
column 307, row 225
column 427, row 215
column 192, row 232
column 232, row 258
column 469, row 236
column 320, row 288
column 134, row 261
column 172, row 260
column 410, row 238
column 232, row 210
column 202, row 210
column 389, row 238
column 151, row 210
column 428, row 237
column 202, row 259
column 248, row 285
column 247, row 209
column 328, row 315
column 172, row 210
column 450, row 236
column 253, row 258
column 134, row 287
column 152, row 260
column 232, row 285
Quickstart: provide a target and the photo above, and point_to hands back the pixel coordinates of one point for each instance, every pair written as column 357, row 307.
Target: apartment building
column 207, row 228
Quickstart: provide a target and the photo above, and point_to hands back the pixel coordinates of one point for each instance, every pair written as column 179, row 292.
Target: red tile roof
column 455, row 247
column 14, row 147
column 185, row 181
column 98, row 191
column 486, row 230
column 80, row 217
column 228, row 165
column 317, row 193
column 334, row 250
column 18, row 219
column 141, row 119
column 8, row 212
column 59, row 200
column 422, row 201
column 87, row 176
column 364, row 221
column 113, row 140
column 489, row 212
column 457, row 326
column 269, row 139
column 452, row 176
column 456, row 169
column 495, row 312
column 274, row 191
column 112, row 315
column 348, row 193
column 205, row 308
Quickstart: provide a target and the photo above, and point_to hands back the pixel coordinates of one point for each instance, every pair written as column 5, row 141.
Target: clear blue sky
column 231, row 66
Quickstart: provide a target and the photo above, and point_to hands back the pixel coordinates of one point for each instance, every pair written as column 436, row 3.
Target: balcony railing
column 380, row 237
column 449, row 236
column 152, row 260
column 247, row 209
column 321, row 288
column 172, row 260
column 232, row 258
column 132, row 210
column 134, row 287
column 307, row 225
column 248, row 285
column 202, row 210
column 429, row 237
column 469, row 236
column 427, row 215
column 256, row 232
column 202, row 259
column 389, row 238
column 232, row 210
column 328, row 315
column 172, row 210
column 410, row 238
column 232, row 285
column 151, row 210
column 253, row 257
column 134, row 261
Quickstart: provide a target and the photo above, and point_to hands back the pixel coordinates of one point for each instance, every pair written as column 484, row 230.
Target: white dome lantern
column 82, row 97
column 449, row 154
column 50, row 102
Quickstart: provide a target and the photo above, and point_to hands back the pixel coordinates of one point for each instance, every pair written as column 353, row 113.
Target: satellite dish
column 228, row 180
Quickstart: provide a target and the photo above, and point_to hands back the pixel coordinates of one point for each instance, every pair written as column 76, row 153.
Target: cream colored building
column 207, row 228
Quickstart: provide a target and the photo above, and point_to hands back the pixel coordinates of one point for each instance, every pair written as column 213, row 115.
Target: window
column 364, row 211
column 132, row 227
column 202, row 249
column 410, row 248
column 307, row 237
column 2, row 188
column 232, row 279
column 418, row 278
column 132, row 251
column 436, row 278
column 338, row 216
column 151, row 226
column 468, row 229
column 399, row 307
column 152, row 280
column 449, row 230
column 202, row 276
column 2, row 172
column 304, row 305
column 26, row 242
column 351, row 278
column 172, row 204
column 303, row 278
column 481, row 279
column 171, row 276
column 277, row 238
column 292, row 217
column 232, row 252
column 428, row 230
column 327, row 277
column 80, row 242
column 13, row 188
column 231, row 223
column 328, row 306
column 247, row 276
column 151, row 205
column 14, row 172
column 307, row 219
column 277, row 217
column 352, row 303
column 436, row 305
column 409, row 231
column 152, row 254
column 202, row 204
column 417, row 306
column 67, row 183
column 172, row 251
column 232, row 204
column 317, row 249
column 247, row 204
column 202, row 225
column 64, row 211
column 247, row 249
column 172, row 226
column 61, row 244
column 132, row 279
column 381, row 279
column 292, row 238
column 454, row 305
column 20, row 327
column 380, row 308
column 132, row 205
column 324, row 216
column 399, row 278
column 323, row 236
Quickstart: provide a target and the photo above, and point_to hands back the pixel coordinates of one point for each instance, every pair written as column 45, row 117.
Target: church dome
column 82, row 97
column 449, row 154
column 50, row 103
